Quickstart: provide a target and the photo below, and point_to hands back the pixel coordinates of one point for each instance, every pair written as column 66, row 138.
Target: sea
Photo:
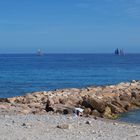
column 25, row 73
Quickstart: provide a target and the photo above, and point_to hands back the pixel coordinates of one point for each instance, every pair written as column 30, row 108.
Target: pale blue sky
column 69, row 26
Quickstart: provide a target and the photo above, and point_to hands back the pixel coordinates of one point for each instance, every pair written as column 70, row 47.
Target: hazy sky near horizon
column 67, row 26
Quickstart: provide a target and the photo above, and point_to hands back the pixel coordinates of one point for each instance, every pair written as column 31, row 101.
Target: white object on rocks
column 78, row 112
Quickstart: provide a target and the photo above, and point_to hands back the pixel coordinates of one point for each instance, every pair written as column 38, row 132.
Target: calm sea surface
column 22, row 73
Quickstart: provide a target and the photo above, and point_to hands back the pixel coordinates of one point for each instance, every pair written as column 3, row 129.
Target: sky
column 69, row 26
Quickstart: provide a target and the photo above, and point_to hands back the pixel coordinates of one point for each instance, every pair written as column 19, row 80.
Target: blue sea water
column 131, row 117
column 23, row 73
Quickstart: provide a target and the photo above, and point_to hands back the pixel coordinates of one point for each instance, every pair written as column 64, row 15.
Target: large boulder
column 135, row 94
column 97, row 104
column 86, row 104
column 135, row 102
column 125, row 97
column 115, row 109
column 107, row 113
column 87, row 111
column 6, row 100
column 56, row 99
column 95, row 113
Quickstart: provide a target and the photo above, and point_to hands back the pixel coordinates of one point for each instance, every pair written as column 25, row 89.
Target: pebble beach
column 56, row 127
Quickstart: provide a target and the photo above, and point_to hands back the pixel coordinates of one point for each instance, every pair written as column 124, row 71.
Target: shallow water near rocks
column 131, row 117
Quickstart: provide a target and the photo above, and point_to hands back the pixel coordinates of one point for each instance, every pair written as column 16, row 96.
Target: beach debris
column 78, row 112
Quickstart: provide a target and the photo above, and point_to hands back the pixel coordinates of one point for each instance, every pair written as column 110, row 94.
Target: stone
column 95, row 113
column 67, row 111
column 107, row 113
column 125, row 97
column 24, row 124
column 35, row 105
column 25, row 111
column 87, row 111
column 4, row 100
column 135, row 94
column 88, row 122
column 133, row 81
column 86, row 104
column 136, row 102
column 63, row 126
column 126, row 104
column 97, row 104
column 115, row 109
column 49, row 105
column 55, row 100
column 7, row 124
column 63, row 100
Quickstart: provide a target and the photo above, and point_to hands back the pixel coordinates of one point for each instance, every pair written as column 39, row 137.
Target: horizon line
column 68, row 53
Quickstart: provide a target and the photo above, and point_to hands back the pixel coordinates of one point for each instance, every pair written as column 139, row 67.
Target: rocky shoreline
column 102, row 101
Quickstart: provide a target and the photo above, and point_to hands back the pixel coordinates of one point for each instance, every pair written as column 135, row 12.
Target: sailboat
column 39, row 52
column 119, row 52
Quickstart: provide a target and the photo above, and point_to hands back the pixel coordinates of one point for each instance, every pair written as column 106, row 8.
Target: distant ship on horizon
column 39, row 52
column 119, row 52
